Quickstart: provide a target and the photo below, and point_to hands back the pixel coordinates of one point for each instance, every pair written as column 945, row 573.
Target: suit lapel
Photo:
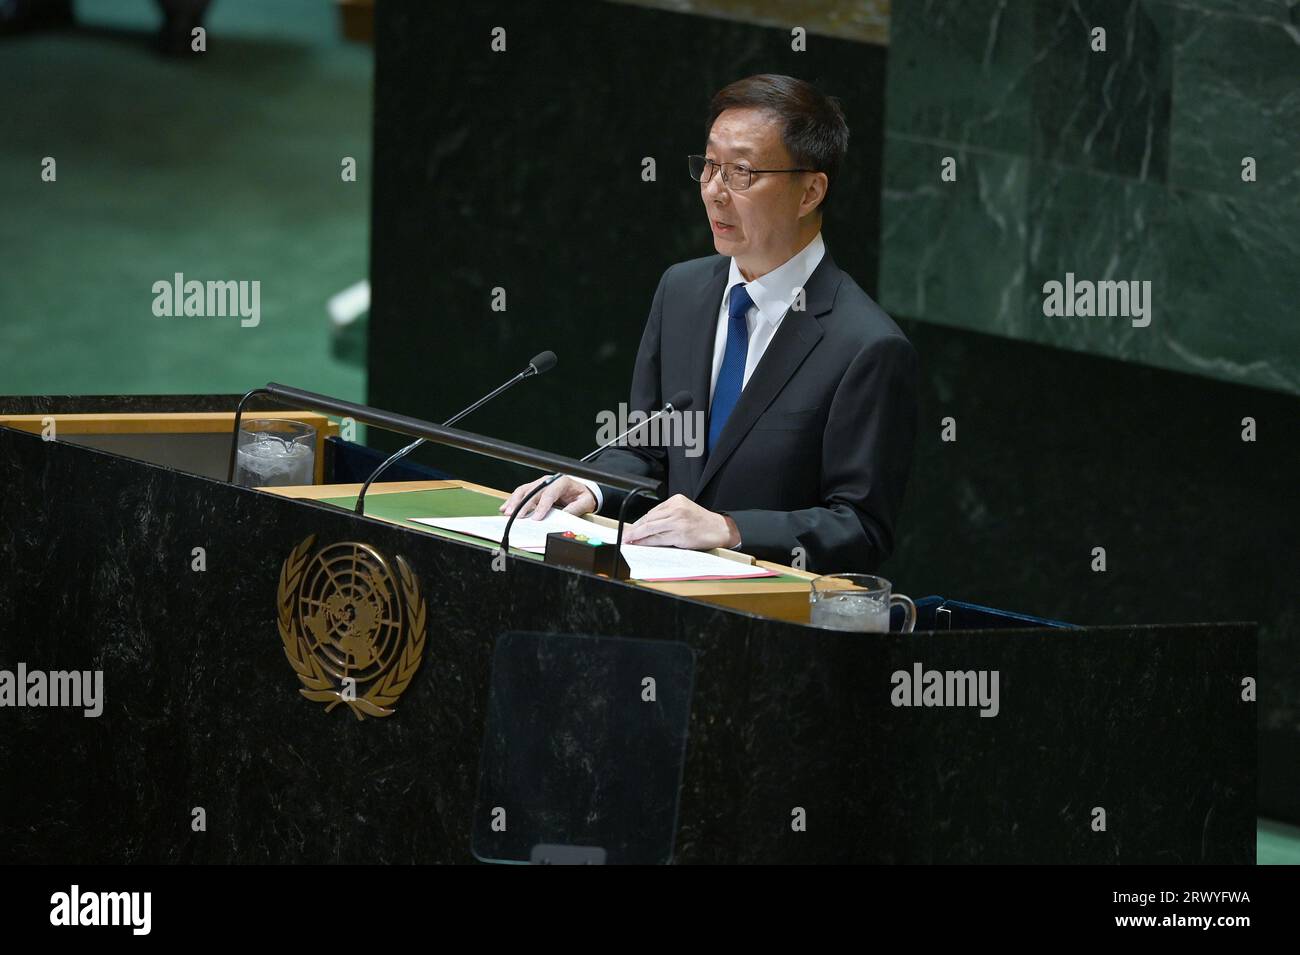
column 794, row 339
column 703, row 328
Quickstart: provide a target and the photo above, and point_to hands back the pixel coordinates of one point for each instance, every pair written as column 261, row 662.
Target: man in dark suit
column 810, row 388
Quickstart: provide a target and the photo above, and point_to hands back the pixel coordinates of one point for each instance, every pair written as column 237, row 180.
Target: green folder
column 402, row 506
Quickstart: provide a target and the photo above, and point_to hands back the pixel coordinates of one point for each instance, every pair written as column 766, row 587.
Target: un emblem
column 352, row 629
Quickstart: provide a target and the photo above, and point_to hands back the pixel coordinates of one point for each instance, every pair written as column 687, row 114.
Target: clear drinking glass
column 856, row 602
column 274, row 452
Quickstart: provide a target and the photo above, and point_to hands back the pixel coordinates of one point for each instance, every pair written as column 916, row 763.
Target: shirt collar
column 774, row 293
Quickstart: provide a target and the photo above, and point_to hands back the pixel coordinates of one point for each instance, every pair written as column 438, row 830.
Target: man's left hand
column 680, row 522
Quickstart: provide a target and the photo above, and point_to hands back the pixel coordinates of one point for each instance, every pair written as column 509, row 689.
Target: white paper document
column 674, row 563
column 525, row 533
column 644, row 562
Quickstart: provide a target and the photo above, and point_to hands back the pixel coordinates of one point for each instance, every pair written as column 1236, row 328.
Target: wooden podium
column 782, row 598
column 529, row 712
column 194, row 441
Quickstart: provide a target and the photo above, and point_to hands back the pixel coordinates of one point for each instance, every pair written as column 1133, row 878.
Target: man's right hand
column 574, row 496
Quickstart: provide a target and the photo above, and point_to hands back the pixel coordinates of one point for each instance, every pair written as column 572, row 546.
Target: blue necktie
column 731, row 376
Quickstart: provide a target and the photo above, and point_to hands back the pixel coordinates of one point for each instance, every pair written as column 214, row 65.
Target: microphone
column 680, row 402
column 540, row 363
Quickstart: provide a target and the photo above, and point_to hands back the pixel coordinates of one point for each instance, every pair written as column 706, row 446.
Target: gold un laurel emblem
column 352, row 629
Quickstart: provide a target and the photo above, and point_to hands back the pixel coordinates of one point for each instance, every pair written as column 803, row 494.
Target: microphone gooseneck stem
column 666, row 409
column 398, row 455
column 622, row 518
column 505, row 537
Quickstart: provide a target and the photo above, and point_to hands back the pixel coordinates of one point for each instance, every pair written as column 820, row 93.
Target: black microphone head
column 681, row 401
column 543, row 361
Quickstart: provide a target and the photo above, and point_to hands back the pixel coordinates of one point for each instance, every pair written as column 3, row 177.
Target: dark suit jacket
column 818, row 448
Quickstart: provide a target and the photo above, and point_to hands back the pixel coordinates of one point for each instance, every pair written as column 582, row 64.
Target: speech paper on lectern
column 644, row 562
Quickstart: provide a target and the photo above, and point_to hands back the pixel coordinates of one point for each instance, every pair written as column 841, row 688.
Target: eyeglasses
column 735, row 176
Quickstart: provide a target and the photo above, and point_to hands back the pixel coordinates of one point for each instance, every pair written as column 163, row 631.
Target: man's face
column 759, row 226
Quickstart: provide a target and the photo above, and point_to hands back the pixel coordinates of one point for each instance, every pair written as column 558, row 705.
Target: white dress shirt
column 772, row 294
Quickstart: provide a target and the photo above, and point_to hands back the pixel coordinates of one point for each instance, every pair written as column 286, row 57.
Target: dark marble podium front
column 203, row 710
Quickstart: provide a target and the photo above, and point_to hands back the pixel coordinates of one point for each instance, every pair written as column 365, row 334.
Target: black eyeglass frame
column 708, row 163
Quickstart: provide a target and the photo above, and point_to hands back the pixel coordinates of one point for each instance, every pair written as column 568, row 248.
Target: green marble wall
column 1116, row 165
column 865, row 20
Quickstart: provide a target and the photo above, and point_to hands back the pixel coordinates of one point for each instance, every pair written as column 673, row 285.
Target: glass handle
column 909, row 611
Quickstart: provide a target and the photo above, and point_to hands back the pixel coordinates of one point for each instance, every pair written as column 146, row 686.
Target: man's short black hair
column 812, row 124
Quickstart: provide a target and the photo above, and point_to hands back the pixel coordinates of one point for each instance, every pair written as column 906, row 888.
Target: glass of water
column 857, row 602
column 273, row 452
